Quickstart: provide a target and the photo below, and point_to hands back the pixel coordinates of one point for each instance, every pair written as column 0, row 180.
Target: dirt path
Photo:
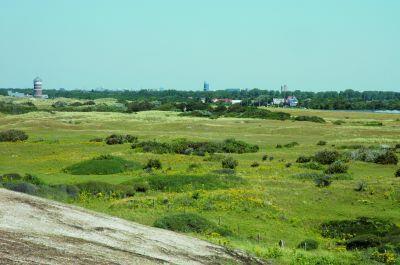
column 39, row 231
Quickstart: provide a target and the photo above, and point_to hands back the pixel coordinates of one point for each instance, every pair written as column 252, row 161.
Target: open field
column 268, row 206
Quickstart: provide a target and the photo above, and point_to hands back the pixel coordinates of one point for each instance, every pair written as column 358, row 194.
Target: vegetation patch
column 310, row 118
column 382, row 156
column 337, row 167
column 326, row 157
column 120, row 139
column 102, row 165
column 363, row 232
column 185, row 147
column 308, row 244
column 180, row 183
column 190, row 223
column 13, row 136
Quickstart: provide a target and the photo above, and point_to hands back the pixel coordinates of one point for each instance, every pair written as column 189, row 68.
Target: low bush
column 326, row 157
column 291, row 144
column 106, row 189
column 13, row 136
column 23, row 187
column 373, row 123
column 308, row 244
column 321, row 143
column 339, row 122
column 185, row 147
column 102, row 165
column 264, row 157
column 153, row 164
column 323, row 181
column 288, row 165
column 143, row 186
column 229, row 162
column 310, row 118
column 10, row 177
column 190, row 223
column 214, row 158
column 279, row 146
column 255, row 164
column 303, row 159
column 397, row 173
column 386, row 158
column 361, row 186
column 120, row 139
column 363, row 241
column 312, row 165
column 337, row 167
column 33, row 179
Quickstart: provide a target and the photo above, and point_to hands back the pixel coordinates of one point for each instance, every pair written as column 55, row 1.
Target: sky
column 311, row 45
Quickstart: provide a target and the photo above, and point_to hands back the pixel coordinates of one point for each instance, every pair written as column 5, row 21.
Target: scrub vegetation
column 328, row 194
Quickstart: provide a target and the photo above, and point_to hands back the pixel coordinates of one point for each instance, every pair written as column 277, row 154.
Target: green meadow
column 259, row 205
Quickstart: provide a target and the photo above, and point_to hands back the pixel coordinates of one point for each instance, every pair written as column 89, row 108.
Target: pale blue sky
column 309, row 44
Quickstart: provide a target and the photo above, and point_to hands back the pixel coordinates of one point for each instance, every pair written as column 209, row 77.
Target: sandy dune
column 39, row 231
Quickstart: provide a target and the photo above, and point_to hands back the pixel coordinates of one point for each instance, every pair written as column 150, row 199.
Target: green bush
column 338, row 122
column 190, row 223
column 373, row 123
column 323, row 181
column 308, row 244
column 264, row 157
column 23, row 187
column 386, row 158
column 181, row 183
column 106, row 189
column 291, row 144
column 120, row 139
column 363, row 241
column 288, row 165
column 321, row 143
column 102, row 165
column 13, row 136
column 312, row 165
column 214, row 158
column 255, row 164
column 310, row 118
column 337, row 167
column 326, row 157
column 153, row 164
column 361, row 186
column 397, row 173
column 303, row 159
column 10, row 177
column 33, row 179
column 142, row 186
column 229, row 162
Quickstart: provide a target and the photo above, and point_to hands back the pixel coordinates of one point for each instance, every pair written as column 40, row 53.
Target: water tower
column 37, row 87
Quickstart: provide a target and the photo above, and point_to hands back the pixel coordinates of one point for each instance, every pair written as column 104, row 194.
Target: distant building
column 232, row 89
column 292, row 101
column 236, row 101
column 206, row 86
column 278, row 101
column 37, row 87
column 16, row 94
column 224, row 100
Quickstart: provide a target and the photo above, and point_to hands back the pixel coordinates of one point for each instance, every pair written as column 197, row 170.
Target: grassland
column 269, row 205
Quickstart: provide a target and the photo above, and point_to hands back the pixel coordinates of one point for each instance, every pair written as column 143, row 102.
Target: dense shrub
column 397, row 173
column 337, row 167
column 361, row 186
column 183, row 146
column 141, row 186
column 23, row 187
column 308, row 244
column 303, row 159
column 264, row 157
column 189, row 222
column 321, row 143
column 312, row 165
column 17, row 108
column 310, row 118
column 255, row 164
column 229, row 162
column 323, row 181
column 363, row 241
column 13, row 136
column 102, row 165
column 288, row 165
column 291, row 144
column 345, row 229
column 278, row 146
column 153, row 164
column 120, row 139
column 181, row 183
column 386, row 158
column 33, row 179
column 326, row 157
column 10, row 177
column 338, row 122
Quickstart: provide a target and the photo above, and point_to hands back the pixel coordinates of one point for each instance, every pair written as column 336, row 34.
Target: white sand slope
column 39, row 231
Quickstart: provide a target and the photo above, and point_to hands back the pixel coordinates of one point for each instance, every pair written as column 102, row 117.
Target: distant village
column 287, row 101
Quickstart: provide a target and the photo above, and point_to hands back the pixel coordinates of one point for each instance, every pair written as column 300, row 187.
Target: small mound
column 102, row 165
column 190, row 222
